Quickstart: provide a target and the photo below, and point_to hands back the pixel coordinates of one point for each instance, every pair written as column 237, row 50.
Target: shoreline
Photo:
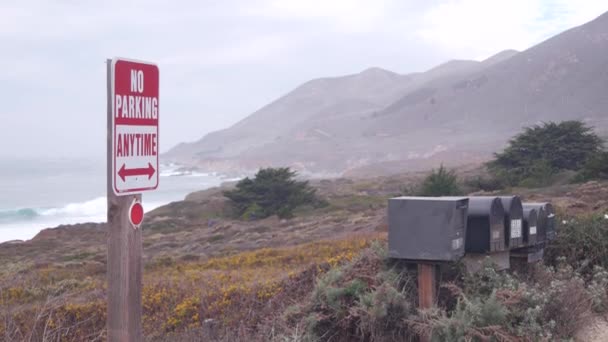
column 179, row 181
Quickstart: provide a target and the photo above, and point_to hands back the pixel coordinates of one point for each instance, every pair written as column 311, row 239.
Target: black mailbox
column 546, row 220
column 427, row 228
column 530, row 229
column 485, row 225
column 513, row 221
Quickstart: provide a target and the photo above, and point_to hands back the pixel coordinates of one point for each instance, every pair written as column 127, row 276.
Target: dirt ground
column 595, row 331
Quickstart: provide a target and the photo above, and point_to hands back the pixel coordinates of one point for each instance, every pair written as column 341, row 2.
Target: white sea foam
column 233, row 179
column 181, row 173
column 92, row 208
column 176, row 170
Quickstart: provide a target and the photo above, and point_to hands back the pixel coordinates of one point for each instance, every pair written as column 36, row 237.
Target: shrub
column 562, row 298
column 582, row 241
column 441, row 182
column 473, row 319
column 370, row 300
column 544, row 149
column 596, row 167
column 382, row 309
column 361, row 300
column 539, row 174
column 273, row 191
column 598, row 289
column 501, row 306
column 484, row 183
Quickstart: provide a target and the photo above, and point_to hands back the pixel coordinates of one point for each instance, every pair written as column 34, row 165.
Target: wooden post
column 427, row 281
column 124, row 255
column 426, row 286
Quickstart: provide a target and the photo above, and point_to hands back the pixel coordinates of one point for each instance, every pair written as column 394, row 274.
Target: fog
column 220, row 61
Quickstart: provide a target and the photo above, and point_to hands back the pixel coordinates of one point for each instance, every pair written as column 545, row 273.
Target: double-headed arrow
column 142, row 171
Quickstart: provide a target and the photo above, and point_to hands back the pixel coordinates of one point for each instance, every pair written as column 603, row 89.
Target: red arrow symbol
column 124, row 172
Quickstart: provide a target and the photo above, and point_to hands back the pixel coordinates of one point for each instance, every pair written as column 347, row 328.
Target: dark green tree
column 272, row 191
column 596, row 167
column 440, row 182
column 541, row 150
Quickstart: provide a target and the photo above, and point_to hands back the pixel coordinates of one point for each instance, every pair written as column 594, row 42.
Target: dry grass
column 178, row 297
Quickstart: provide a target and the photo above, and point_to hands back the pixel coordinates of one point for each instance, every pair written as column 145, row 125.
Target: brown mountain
column 380, row 121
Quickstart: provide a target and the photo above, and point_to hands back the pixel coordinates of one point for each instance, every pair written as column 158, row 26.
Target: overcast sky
column 222, row 60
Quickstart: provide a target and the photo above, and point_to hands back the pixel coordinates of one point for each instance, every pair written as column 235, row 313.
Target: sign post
column 132, row 161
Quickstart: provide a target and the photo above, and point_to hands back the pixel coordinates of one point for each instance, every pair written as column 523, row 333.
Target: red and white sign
column 135, row 108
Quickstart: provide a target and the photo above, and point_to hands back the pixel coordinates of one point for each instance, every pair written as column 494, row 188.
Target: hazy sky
column 222, row 60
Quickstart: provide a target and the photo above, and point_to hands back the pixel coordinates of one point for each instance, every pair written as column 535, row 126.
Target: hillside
column 379, row 121
column 206, row 272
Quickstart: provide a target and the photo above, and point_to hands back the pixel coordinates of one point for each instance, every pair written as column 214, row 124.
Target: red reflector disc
column 136, row 214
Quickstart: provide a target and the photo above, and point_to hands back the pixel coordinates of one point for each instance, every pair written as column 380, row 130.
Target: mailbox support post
column 427, row 281
column 427, row 289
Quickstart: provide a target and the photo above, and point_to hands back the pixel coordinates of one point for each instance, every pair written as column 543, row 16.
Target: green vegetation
column 596, row 167
column 534, row 156
column 208, row 277
column 373, row 299
column 356, row 203
column 440, row 182
column 590, row 236
column 237, row 292
column 336, row 290
column 484, row 183
column 78, row 256
column 216, row 238
column 362, row 300
column 273, row 191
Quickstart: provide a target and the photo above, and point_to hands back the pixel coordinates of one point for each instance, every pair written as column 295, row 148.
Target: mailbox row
column 445, row 228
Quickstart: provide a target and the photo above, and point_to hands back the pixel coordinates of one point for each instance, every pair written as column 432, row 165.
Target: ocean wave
column 176, row 170
column 200, row 174
column 233, row 179
column 18, row 214
column 178, row 173
column 95, row 208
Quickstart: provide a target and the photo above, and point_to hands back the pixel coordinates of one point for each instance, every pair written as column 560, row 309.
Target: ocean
column 43, row 193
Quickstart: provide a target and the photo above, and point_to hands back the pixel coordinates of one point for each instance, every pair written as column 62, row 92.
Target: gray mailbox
column 546, row 220
column 485, row 225
column 530, row 228
column 427, row 228
column 513, row 221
